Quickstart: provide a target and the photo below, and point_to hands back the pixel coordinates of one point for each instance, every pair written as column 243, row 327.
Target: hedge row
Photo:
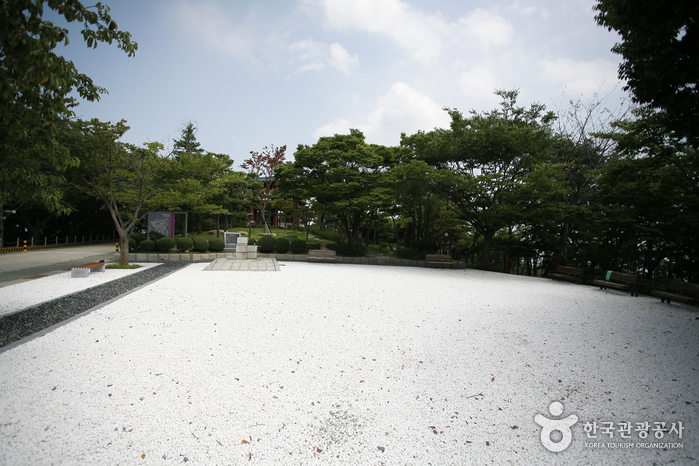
column 166, row 244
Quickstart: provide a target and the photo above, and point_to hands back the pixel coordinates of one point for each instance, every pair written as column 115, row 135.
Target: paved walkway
column 18, row 267
column 261, row 265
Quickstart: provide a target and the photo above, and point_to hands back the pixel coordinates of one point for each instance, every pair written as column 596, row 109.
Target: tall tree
column 36, row 94
column 187, row 144
column 263, row 165
column 660, row 48
column 346, row 177
column 489, row 158
column 130, row 180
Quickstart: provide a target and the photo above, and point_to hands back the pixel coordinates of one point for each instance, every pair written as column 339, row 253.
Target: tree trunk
column 123, row 247
column 564, row 245
column 486, row 250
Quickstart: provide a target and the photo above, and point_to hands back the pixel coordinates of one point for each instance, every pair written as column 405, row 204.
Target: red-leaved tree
column 262, row 165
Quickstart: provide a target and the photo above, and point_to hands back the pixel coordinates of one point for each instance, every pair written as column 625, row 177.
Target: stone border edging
column 292, row 257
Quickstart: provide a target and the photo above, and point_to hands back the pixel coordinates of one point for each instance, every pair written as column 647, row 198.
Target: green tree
column 660, row 46
column 346, row 178
column 36, row 87
column 131, row 181
column 187, row 144
column 488, row 160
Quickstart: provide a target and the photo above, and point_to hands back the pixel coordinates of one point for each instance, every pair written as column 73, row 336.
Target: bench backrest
column 562, row 269
column 623, row 277
column 683, row 287
column 322, row 252
column 437, row 257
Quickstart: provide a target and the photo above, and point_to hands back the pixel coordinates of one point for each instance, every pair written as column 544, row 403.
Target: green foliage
column 659, row 47
column 184, row 244
column 252, row 241
column 38, row 94
column 119, row 266
column 331, row 246
column 428, row 246
column 411, row 254
column 156, row 235
column 266, row 244
column 282, row 245
column 133, row 246
column 216, row 244
column 165, row 244
column 347, row 249
column 298, row 246
column 345, row 176
column 147, row 245
column 138, row 237
column 201, row 244
column 328, row 234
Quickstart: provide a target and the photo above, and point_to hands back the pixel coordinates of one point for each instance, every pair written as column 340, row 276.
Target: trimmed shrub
column 184, row 244
column 139, row 237
column 216, row 244
column 298, row 246
column 132, row 244
column 411, row 254
column 155, row 236
column 201, row 244
column 252, row 242
column 147, row 245
column 424, row 245
column 281, row 245
column 347, row 249
column 331, row 246
column 266, row 244
column 165, row 244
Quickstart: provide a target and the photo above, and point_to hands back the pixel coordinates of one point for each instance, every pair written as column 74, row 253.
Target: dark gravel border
column 34, row 319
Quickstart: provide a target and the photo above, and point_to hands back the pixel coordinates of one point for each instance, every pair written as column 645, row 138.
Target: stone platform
column 260, row 265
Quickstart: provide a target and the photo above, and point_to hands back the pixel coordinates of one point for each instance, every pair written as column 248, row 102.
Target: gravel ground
column 34, row 306
column 350, row 364
column 14, row 298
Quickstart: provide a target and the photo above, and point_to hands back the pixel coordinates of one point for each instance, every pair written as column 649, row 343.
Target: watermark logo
column 549, row 426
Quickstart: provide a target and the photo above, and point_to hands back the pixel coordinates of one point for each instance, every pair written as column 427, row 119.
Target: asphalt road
column 18, row 267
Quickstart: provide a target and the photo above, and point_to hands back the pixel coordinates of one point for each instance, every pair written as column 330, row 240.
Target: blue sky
column 282, row 72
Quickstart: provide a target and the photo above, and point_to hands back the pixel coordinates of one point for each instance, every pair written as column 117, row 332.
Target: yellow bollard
column 25, row 246
column 117, row 245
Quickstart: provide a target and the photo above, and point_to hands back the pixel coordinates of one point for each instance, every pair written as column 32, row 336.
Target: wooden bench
column 437, row 260
column 619, row 281
column 83, row 270
column 689, row 293
column 321, row 255
column 570, row 274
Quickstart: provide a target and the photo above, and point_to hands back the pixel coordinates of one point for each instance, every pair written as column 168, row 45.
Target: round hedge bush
column 165, row 244
column 216, row 244
column 298, row 246
column 282, row 245
column 155, row 236
column 184, row 244
column 266, row 244
column 252, row 242
column 132, row 244
column 147, row 245
column 201, row 244
column 139, row 237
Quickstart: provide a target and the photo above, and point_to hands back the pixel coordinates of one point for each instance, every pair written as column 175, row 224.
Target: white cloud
column 486, row 29
column 401, row 109
column 313, row 55
column 478, row 80
column 413, row 30
column 579, row 77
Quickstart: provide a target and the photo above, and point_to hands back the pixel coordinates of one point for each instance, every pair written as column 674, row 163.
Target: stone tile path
column 264, row 265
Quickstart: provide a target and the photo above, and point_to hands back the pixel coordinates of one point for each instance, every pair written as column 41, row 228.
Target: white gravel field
column 354, row 364
column 31, row 293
